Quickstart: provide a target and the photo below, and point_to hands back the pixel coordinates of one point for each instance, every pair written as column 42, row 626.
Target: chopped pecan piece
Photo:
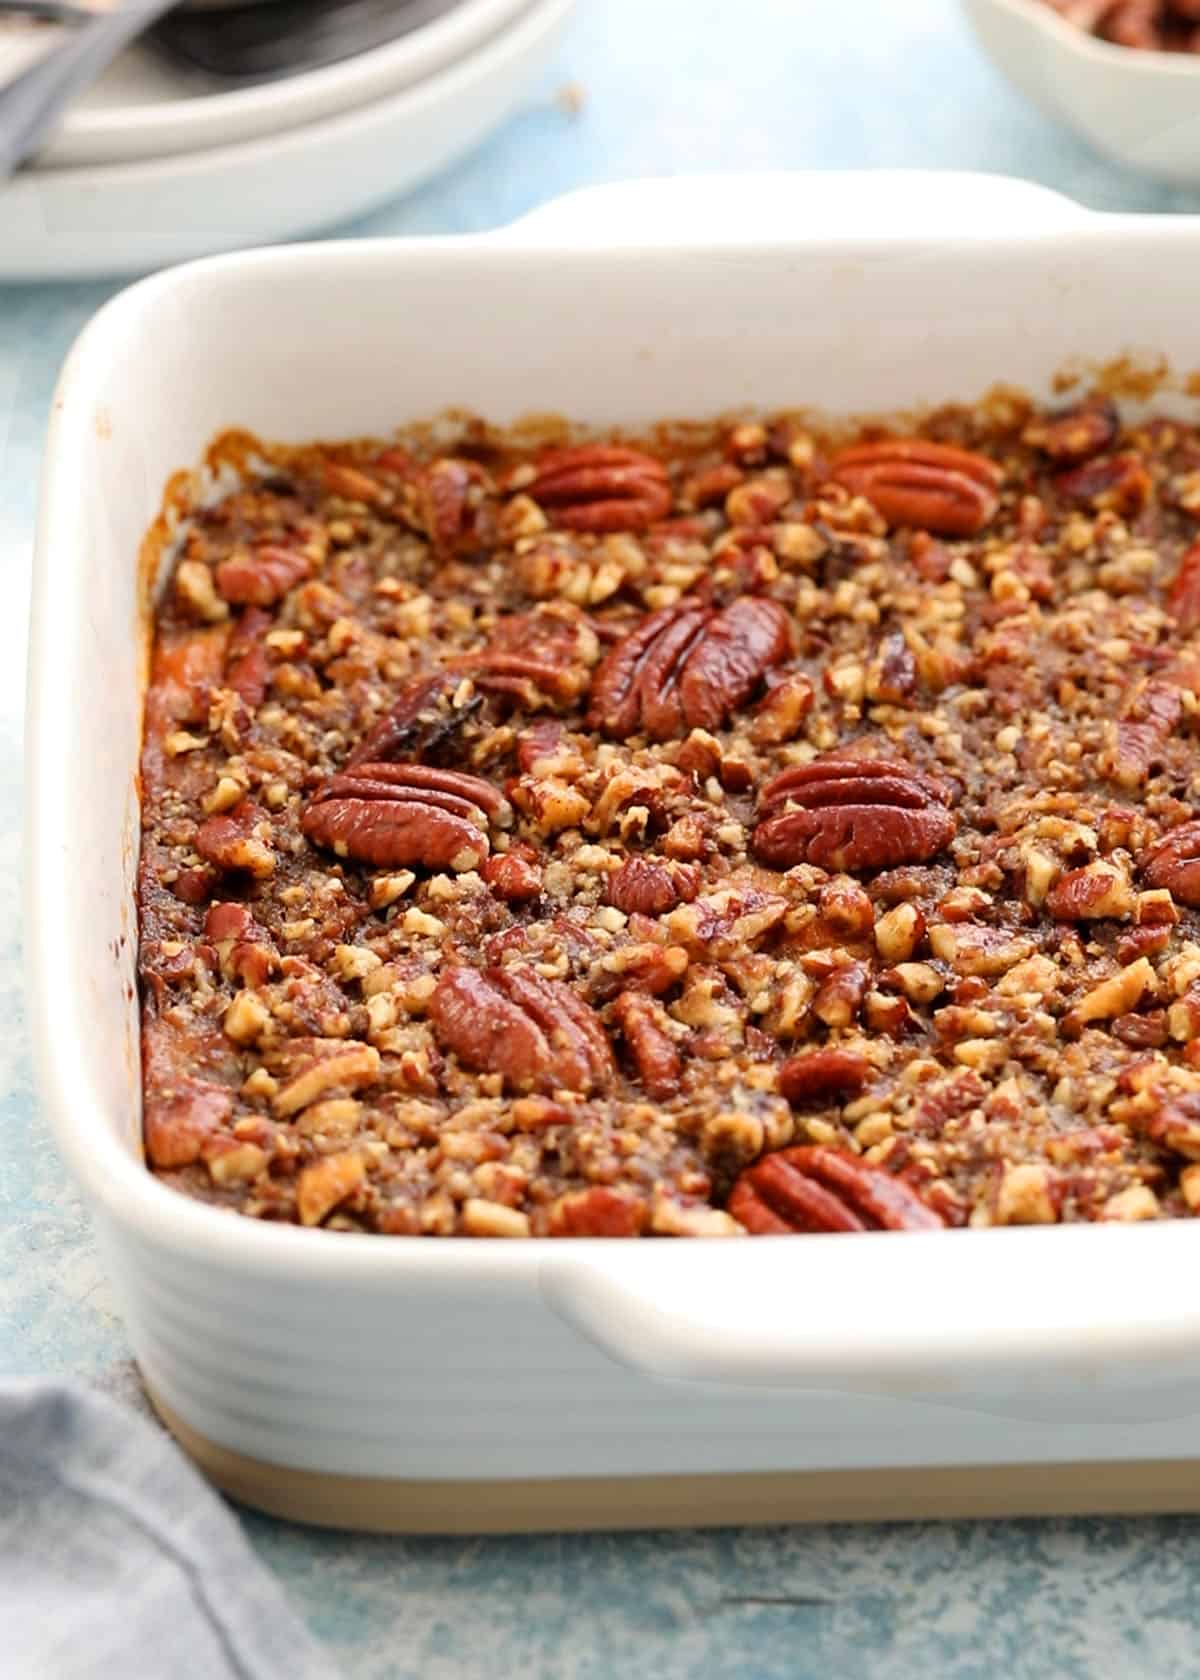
column 1183, row 594
column 392, row 815
column 651, row 886
column 537, row 1034
column 599, row 1212
column 1171, row 1121
column 1117, row 483
column 535, row 657
column 425, row 714
column 1090, row 894
column 892, row 675
column 238, row 841
column 514, row 875
column 540, row 744
column 928, row 486
column 846, row 813
column 326, row 1184
column 814, row 1189
column 443, row 495
column 1174, row 863
column 817, row 1077
column 687, row 667
column 1075, row 434
column 244, row 948
column 643, row 1024
column 782, row 711
column 600, row 487
column 354, row 485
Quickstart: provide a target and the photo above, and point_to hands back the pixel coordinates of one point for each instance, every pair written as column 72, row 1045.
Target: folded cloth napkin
column 118, row 1562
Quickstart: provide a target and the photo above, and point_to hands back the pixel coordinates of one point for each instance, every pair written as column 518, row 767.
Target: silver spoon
column 30, row 105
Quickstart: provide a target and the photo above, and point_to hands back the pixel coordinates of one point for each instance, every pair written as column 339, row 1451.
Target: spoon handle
column 46, row 11
column 31, row 103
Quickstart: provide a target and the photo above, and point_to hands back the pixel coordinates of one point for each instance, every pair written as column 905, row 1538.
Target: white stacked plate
column 152, row 167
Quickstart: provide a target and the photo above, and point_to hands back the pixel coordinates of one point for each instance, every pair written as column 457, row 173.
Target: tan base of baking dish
column 388, row 1506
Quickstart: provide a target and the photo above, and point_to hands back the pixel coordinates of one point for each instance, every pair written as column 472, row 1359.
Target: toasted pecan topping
column 726, row 830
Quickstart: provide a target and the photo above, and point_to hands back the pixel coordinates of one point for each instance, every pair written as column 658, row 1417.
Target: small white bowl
column 1141, row 108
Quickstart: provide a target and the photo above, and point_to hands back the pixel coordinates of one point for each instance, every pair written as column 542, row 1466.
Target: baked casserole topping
column 741, row 829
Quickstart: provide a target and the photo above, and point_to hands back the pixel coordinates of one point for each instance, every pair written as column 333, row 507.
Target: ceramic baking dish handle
column 728, row 209
column 981, row 1311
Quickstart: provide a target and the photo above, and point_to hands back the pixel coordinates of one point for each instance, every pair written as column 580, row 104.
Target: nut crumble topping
column 735, row 830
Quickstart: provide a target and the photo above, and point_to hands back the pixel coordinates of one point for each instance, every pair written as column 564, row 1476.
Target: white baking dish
column 1141, row 108
column 438, row 1362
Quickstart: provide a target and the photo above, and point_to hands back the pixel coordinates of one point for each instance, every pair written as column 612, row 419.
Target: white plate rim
column 101, row 135
column 71, row 223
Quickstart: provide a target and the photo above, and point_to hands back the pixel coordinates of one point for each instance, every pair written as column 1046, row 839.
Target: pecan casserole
column 741, row 829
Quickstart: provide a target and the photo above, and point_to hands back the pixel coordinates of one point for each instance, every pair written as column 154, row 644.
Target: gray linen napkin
column 118, row 1562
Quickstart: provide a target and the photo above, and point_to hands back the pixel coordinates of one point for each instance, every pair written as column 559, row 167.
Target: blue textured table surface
column 669, row 86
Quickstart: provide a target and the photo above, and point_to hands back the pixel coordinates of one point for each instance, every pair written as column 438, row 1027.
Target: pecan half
column 846, row 813
column 1174, row 863
column 818, row 1077
column 422, row 718
column 1146, row 721
column 688, row 667
column 259, row 577
column 1183, row 593
column 815, row 1189
column 1075, row 434
column 600, row 487
column 443, row 501
column 643, row 1025
column 536, row 1033
column 929, row 486
column 247, row 670
column 652, row 886
column 391, row 815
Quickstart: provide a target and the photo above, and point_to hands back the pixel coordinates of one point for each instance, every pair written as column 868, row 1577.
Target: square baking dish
column 472, row 1384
